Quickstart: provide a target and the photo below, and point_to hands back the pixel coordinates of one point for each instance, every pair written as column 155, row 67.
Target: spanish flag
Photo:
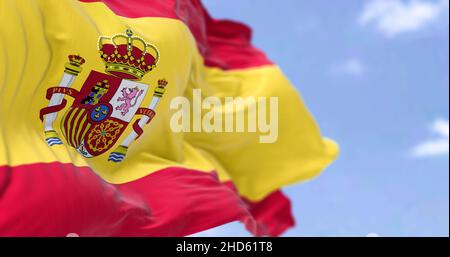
column 87, row 142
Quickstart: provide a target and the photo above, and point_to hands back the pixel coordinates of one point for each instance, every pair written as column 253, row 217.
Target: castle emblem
column 106, row 103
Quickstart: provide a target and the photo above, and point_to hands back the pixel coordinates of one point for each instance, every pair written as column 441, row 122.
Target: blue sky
column 375, row 75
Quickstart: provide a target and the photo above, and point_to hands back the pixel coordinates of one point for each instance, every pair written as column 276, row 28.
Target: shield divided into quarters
column 101, row 112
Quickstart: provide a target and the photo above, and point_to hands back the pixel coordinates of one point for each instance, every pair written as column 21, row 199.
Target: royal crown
column 74, row 65
column 162, row 83
column 127, row 56
column 161, row 89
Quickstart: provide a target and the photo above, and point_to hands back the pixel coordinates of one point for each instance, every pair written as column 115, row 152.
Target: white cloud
column 441, row 128
column 352, row 66
column 438, row 146
column 373, row 235
column 393, row 17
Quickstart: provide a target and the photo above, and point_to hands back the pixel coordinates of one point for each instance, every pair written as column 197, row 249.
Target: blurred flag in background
column 165, row 183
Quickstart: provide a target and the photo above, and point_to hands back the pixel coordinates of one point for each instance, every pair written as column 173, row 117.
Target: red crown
column 76, row 60
column 73, row 67
column 126, row 60
column 162, row 83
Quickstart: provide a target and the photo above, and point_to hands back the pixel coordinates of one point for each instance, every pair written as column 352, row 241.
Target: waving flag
column 86, row 144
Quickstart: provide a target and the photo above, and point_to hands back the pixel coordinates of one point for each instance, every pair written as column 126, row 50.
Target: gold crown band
column 115, row 67
column 72, row 69
column 159, row 92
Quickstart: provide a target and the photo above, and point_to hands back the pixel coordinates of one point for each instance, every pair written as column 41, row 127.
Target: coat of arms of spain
column 106, row 103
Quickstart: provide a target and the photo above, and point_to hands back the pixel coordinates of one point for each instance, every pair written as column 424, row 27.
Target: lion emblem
column 129, row 99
